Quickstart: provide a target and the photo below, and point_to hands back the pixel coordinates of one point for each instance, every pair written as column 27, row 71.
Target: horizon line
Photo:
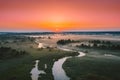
column 60, row 31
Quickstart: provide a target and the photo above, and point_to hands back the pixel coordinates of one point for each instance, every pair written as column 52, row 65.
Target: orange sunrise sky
column 59, row 15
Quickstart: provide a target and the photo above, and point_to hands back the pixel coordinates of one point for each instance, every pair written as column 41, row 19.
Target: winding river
column 57, row 69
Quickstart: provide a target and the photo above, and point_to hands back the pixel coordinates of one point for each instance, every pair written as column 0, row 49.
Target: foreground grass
column 19, row 68
column 15, row 69
column 93, row 67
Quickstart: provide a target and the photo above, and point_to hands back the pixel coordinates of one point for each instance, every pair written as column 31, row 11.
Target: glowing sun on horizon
column 57, row 23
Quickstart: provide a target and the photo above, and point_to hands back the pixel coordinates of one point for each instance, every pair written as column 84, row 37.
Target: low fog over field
column 60, row 56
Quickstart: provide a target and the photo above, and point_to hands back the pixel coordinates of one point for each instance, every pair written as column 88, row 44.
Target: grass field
column 94, row 66
column 19, row 68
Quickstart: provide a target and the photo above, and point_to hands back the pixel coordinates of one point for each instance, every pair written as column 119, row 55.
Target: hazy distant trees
column 99, row 42
column 7, row 52
column 100, row 45
column 15, row 38
column 49, row 37
column 63, row 42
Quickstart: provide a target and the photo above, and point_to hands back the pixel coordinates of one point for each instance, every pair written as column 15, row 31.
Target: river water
column 57, row 69
column 35, row 72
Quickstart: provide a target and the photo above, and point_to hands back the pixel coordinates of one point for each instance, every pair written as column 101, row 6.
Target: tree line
column 102, row 46
column 99, row 42
column 7, row 52
column 63, row 42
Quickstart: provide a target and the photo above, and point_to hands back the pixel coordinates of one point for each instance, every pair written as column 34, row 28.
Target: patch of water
column 45, row 66
column 58, row 71
column 35, row 72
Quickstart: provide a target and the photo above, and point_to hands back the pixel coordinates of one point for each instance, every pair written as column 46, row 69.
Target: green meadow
column 94, row 66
